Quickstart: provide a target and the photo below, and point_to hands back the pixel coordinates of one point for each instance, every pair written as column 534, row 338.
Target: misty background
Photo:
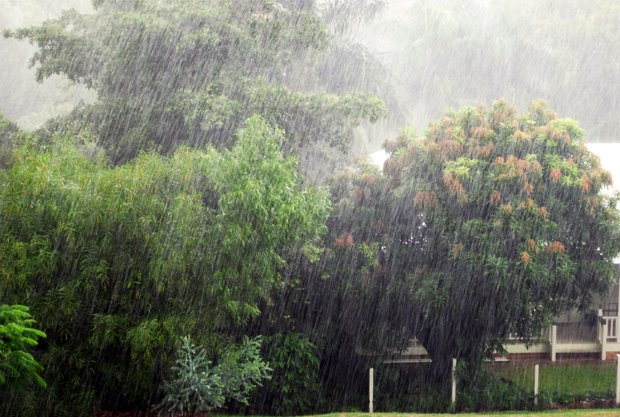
column 434, row 55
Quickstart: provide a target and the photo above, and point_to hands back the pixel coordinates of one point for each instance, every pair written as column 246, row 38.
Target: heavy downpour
column 299, row 207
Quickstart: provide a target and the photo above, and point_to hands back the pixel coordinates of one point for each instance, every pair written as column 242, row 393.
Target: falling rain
column 296, row 207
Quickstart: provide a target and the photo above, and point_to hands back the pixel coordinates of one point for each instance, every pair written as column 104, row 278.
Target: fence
column 453, row 393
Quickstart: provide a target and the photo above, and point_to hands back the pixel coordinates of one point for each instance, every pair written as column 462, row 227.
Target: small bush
column 294, row 387
column 242, row 370
column 197, row 386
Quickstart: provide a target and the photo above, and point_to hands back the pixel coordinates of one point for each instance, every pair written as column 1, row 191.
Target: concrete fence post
column 536, row 375
column 599, row 325
column 604, row 341
column 371, row 389
column 453, row 394
column 554, row 342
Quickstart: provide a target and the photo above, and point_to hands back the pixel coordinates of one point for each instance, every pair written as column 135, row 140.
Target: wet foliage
column 175, row 73
column 118, row 263
column 487, row 226
column 8, row 129
column 294, row 385
column 161, row 232
column 492, row 206
column 17, row 337
column 198, row 386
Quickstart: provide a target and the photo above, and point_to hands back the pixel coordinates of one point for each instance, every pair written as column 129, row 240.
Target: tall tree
column 168, row 73
column 489, row 225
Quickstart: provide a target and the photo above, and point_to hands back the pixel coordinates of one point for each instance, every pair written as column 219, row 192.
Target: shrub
column 242, row 370
column 294, row 387
column 199, row 387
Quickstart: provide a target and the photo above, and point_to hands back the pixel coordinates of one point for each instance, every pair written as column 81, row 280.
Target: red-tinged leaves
column 345, row 241
column 525, row 258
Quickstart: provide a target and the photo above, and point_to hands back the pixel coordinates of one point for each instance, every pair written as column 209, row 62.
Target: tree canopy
column 118, row 263
column 488, row 225
column 171, row 73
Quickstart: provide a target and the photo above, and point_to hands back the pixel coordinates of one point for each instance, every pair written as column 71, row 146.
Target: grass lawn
column 568, row 413
column 574, row 378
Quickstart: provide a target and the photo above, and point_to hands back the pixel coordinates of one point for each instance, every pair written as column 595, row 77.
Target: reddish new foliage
column 585, row 183
column 525, row 257
column 345, row 240
column 496, row 198
column 555, row 174
column 543, row 213
column 455, row 186
column 426, row 200
column 555, row 247
column 457, row 249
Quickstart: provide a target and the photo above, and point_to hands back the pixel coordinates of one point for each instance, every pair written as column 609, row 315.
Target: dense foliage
column 119, row 262
column 143, row 219
column 294, row 386
column 8, row 130
column 172, row 73
column 492, row 206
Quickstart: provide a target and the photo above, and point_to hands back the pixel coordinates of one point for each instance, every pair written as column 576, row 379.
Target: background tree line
column 449, row 54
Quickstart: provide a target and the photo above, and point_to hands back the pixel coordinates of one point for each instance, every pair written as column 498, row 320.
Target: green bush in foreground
column 199, row 387
column 123, row 261
column 17, row 365
column 294, row 387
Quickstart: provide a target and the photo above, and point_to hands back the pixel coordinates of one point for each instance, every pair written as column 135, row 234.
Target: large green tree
column 499, row 224
column 168, row 73
column 117, row 263
column 487, row 226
